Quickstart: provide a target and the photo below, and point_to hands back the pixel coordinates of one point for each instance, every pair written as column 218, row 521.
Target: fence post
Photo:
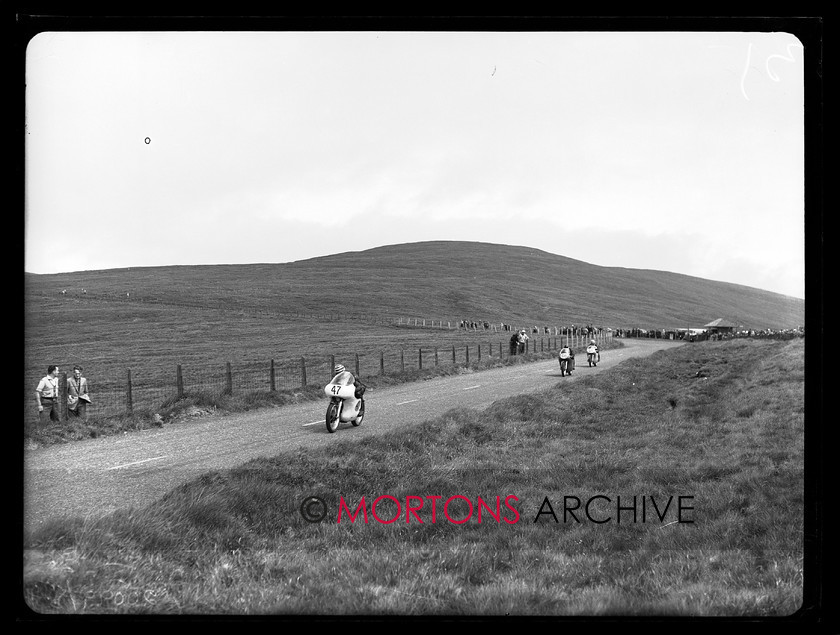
column 357, row 365
column 271, row 385
column 179, row 382
column 62, row 397
column 500, row 350
column 303, row 372
column 479, row 353
column 402, row 360
column 332, row 365
column 453, row 354
column 468, row 354
column 129, row 402
column 436, row 357
column 228, row 380
column 420, row 358
column 382, row 363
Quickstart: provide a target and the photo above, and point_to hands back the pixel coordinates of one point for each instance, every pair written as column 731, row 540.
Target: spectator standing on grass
column 521, row 339
column 47, row 395
column 77, row 394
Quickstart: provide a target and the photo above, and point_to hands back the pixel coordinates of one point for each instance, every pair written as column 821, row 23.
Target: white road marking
column 118, row 467
column 311, row 424
column 471, row 387
column 409, row 401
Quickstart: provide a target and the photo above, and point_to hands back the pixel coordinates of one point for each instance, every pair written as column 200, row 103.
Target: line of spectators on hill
column 546, row 329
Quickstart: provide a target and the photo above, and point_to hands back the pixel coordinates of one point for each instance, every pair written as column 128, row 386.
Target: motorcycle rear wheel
column 358, row 420
column 333, row 414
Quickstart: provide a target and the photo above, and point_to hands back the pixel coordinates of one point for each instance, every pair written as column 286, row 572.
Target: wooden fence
column 133, row 393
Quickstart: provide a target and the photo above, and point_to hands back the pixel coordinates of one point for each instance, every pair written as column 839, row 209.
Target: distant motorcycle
column 567, row 362
column 344, row 406
column 593, row 356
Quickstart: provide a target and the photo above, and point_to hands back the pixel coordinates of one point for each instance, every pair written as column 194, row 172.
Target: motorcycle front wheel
column 358, row 420
column 333, row 414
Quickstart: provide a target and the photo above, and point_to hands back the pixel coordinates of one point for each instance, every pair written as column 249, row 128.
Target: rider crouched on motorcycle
column 571, row 355
column 344, row 377
column 593, row 353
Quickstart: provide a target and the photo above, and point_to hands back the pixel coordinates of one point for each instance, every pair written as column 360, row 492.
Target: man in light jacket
column 77, row 394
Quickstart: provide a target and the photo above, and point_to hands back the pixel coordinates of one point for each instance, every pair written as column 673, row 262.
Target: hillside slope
column 448, row 280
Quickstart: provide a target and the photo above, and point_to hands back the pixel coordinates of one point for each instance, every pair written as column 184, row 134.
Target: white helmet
column 591, row 341
column 339, row 368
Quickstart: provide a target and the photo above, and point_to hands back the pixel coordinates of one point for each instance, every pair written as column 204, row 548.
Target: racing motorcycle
column 567, row 362
column 592, row 355
column 344, row 405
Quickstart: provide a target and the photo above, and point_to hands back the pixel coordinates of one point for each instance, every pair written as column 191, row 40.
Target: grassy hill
column 154, row 322
column 235, row 543
column 446, row 280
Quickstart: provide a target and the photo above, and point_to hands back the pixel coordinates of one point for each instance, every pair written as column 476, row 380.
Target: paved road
column 96, row 476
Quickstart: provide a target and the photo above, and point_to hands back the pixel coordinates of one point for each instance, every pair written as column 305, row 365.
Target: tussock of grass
column 236, row 543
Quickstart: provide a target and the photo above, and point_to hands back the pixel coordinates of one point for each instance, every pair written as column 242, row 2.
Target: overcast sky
column 680, row 152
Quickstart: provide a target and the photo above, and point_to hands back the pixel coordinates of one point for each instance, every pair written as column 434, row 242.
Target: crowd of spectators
column 583, row 330
column 695, row 335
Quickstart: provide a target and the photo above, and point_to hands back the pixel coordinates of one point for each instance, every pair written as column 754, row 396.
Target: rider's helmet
column 339, row 368
column 591, row 341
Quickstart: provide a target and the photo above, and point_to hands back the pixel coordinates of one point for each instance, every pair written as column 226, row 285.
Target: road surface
column 97, row 476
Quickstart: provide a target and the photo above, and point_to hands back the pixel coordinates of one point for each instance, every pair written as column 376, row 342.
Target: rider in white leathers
column 570, row 363
column 593, row 355
column 344, row 377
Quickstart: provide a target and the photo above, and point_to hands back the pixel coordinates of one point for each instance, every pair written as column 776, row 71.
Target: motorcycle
column 567, row 363
column 593, row 356
column 344, row 406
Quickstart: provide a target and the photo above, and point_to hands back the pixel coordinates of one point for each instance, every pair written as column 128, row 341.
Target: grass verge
column 719, row 424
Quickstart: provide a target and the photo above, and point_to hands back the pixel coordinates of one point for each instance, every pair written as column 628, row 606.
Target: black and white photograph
column 467, row 319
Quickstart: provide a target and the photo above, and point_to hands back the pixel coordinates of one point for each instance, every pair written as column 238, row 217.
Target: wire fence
column 145, row 392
